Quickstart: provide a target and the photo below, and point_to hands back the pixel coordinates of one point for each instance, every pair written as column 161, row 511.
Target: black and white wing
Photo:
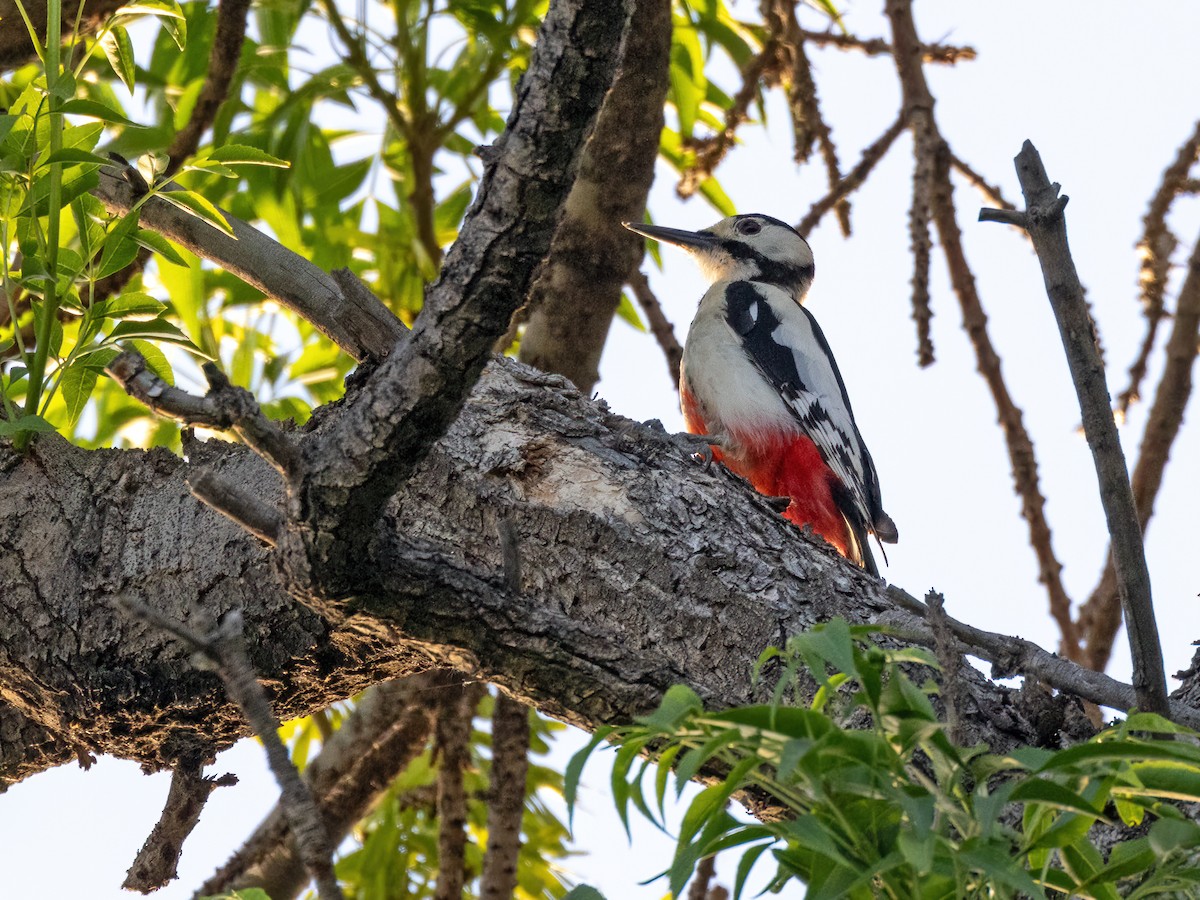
column 785, row 344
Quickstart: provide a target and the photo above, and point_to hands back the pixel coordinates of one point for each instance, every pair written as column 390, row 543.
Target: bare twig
column 226, row 51
column 950, row 659
column 1017, row 656
column 388, row 728
column 853, row 180
column 711, row 151
column 931, row 53
column 231, row 500
column 928, row 141
column 1156, row 246
column 991, row 192
column 225, row 651
column 156, row 863
column 660, row 327
column 506, row 800
column 808, row 123
column 921, row 245
column 1100, row 617
column 453, row 731
column 225, row 406
column 1047, row 229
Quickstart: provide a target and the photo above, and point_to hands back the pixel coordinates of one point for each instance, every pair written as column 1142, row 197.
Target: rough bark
column 572, row 304
column 640, row 569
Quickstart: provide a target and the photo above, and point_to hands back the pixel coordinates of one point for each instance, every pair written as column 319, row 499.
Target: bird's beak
column 689, row 240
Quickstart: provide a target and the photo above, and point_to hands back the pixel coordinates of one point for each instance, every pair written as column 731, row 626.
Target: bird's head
column 744, row 248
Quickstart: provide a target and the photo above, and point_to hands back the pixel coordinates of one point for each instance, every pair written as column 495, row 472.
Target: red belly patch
column 782, row 465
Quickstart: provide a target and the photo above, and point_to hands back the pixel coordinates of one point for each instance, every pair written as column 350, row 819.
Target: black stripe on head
column 770, row 219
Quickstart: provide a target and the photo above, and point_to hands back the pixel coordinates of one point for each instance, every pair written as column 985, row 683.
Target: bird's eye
column 749, row 226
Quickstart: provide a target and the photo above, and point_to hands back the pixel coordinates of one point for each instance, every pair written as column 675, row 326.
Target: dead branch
column 1155, row 248
column 946, row 54
column 1016, row 656
column 928, row 142
column 156, row 864
column 225, row 406
column 1047, row 228
column 225, row 651
column 660, row 327
column 1100, row 617
column 855, row 178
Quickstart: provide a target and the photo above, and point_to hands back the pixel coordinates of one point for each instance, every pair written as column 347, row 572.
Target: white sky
column 1107, row 92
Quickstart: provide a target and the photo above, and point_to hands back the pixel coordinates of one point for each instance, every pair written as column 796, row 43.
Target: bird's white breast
column 732, row 394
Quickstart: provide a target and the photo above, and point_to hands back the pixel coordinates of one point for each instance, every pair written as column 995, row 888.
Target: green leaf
column 130, row 304
column 191, row 202
column 95, row 110
column 75, row 156
column 1040, row 790
column 574, row 770
column 119, row 248
column 26, row 423
column 745, row 864
column 156, row 360
column 155, row 329
column 119, row 49
column 157, row 243
column 77, row 383
column 677, row 703
column 583, row 892
column 243, row 155
column 628, row 313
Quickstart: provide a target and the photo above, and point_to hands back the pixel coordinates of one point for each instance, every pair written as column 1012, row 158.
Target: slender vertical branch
column 453, row 735
column 928, row 141
column 1100, row 617
column 506, row 799
column 1048, row 230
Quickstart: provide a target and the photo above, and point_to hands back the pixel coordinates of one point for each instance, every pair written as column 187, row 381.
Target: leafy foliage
column 397, row 847
column 896, row 809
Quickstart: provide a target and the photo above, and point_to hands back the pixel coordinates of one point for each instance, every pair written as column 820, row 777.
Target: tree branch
column 660, row 327
column 1100, row 617
column 157, row 862
column 452, row 745
column 572, row 303
column 388, row 728
column 230, row 34
column 225, row 652
column 359, row 323
column 929, row 144
column 419, row 390
column 506, row 799
column 1048, row 231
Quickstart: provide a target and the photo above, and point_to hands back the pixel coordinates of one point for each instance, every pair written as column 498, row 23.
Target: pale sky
column 1107, row 92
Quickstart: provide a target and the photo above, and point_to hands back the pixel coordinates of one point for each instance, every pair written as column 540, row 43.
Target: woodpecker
column 759, row 378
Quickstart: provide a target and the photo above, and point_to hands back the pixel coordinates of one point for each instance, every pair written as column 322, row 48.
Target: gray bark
column 640, row 569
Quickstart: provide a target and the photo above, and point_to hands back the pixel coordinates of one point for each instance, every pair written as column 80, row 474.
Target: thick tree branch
column 699, row 576
column 1048, row 230
column 571, row 306
column 357, row 322
column 419, row 390
column 452, row 745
